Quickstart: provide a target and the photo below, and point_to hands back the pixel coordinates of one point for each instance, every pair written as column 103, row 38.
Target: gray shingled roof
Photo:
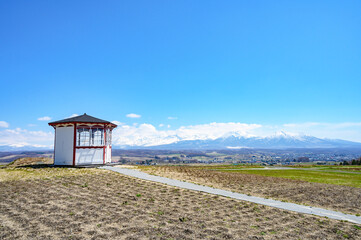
column 81, row 119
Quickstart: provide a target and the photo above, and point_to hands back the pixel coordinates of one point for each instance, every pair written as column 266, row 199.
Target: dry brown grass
column 99, row 204
column 28, row 161
column 334, row 197
column 35, row 168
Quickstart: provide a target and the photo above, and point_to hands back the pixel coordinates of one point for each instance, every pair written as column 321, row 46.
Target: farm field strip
column 328, row 196
column 258, row 200
column 355, row 168
column 330, row 170
column 320, row 176
column 314, row 169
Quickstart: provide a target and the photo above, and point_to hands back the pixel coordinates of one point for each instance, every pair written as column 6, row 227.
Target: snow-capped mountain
column 13, row 148
column 279, row 140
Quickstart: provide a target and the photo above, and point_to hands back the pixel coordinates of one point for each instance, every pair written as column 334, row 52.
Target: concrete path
column 268, row 202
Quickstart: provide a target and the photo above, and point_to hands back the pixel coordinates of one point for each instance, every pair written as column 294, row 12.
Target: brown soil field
column 334, row 197
column 68, row 203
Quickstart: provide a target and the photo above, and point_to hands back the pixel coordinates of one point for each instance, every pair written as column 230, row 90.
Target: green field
column 319, row 175
column 225, row 166
column 351, row 168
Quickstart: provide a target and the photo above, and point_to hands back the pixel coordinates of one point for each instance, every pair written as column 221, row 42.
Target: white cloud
column 172, row 118
column 4, row 124
column 31, row 125
column 117, row 122
column 133, row 115
column 346, row 130
column 22, row 137
column 73, row 115
column 322, row 124
column 147, row 135
column 46, row 118
column 306, row 124
column 141, row 135
column 216, row 130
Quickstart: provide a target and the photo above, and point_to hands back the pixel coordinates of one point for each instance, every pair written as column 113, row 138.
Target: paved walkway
column 268, row 202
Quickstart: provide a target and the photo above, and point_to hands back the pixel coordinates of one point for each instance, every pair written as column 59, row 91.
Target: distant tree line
column 353, row 162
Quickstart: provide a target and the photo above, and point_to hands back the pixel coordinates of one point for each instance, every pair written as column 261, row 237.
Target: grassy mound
column 30, row 161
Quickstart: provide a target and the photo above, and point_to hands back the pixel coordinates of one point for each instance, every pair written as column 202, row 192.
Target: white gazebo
column 82, row 140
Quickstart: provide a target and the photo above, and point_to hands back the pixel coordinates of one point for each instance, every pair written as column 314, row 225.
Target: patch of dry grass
column 30, row 161
column 334, row 197
column 37, row 168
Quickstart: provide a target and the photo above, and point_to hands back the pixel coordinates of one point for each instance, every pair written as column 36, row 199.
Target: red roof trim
column 93, row 123
column 79, row 147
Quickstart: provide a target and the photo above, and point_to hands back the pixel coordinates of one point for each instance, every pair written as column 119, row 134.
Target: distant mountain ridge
column 12, row 148
column 277, row 141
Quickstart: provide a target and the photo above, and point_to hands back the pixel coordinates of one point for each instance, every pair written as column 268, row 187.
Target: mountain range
column 278, row 141
column 12, row 148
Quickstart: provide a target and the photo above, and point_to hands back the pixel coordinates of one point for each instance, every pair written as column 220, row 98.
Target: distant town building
column 303, row 159
column 82, row 140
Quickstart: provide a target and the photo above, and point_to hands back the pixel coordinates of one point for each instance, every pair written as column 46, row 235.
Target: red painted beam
column 54, row 143
column 105, row 137
column 74, row 145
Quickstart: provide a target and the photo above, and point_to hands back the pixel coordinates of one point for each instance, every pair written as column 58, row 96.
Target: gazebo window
column 97, row 137
column 90, row 136
column 83, row 137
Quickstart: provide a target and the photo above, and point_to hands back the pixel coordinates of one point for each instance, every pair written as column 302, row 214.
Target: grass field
column 294, row 186
column 353, row 168
column 70, row 203
column 347, row 168
column 222, row 166
column 310, row 175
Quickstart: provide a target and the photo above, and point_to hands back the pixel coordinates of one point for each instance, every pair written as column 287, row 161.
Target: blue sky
column 269, row 63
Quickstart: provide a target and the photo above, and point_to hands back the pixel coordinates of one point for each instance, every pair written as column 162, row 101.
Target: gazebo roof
column 82, row 119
